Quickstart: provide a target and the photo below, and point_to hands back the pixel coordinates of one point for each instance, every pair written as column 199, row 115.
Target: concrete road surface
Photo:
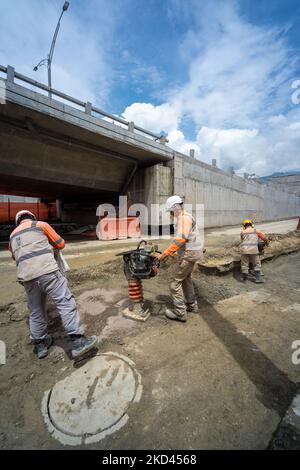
column 280, row 226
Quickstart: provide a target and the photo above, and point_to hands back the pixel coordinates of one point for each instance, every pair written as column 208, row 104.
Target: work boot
column 81, row 344
column 42, row 346
column 244, row 277
column 253, row 273
column 258, row 278
column 193, row 308
column 172, row 316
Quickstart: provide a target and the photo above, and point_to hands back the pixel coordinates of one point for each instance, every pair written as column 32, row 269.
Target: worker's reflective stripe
column 249, row 244
column 20, row 232
column 33, row 255
column 244, row 234
column 181, row 235
column 185, row 241
column 194, row 246
column 178, row 243
column 57, row 242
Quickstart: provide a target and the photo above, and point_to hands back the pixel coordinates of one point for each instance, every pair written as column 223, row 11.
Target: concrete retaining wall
column 227, row 198
column 290, row 182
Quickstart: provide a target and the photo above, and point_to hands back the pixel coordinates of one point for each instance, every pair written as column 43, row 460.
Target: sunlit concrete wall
column 227, row 198
column 289, row 182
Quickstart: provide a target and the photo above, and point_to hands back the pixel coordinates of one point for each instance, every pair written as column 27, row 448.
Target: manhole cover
column 93, row 401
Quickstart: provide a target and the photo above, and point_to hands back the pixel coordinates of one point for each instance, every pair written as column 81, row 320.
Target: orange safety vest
column 31, row 244
column 187, row 241
column 249, row 244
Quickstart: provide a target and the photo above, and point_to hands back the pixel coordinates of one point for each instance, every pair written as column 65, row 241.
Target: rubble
column 224, row 259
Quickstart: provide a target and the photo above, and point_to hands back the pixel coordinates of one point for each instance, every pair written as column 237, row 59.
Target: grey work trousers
column 55, row 286
column 247, row 259
column 181, row 286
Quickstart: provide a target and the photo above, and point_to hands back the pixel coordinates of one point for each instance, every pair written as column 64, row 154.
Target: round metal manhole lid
column 93, row 401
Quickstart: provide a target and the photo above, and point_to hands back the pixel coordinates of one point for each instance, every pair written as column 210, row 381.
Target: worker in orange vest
column 249, row 250
column 32, row 245
column 187, row 248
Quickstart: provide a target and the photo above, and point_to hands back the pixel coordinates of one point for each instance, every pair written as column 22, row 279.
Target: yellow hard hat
column 248, row 222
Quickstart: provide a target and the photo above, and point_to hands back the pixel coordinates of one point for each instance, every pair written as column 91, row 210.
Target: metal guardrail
column 11, row 75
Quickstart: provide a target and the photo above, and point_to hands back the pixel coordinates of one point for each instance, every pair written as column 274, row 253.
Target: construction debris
column 224, row 259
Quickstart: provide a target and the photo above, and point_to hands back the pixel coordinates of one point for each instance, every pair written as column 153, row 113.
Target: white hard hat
column 172, row 201
column 20, row 213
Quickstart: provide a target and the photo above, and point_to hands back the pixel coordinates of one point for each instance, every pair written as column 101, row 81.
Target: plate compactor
column 139, row 264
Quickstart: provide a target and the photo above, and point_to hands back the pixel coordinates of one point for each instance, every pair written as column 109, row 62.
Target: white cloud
column 154, row 118
column 178, row 142
column 235, row 148
column 81, row 65
column 277, row 120
column 139, row 73
column 238, row 73
column 238, row 94
column 295, row 126
column 253, row 151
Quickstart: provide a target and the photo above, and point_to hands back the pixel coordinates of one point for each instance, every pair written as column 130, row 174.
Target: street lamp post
column 48, row 60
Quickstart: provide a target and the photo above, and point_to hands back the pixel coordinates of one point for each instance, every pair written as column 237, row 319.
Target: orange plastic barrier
column 8, row 210
column 110, row 228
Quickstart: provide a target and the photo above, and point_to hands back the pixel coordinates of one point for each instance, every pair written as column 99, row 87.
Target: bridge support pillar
column 58, row 208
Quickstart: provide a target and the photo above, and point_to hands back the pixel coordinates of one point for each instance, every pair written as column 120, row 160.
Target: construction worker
column 249, row 250
column 188, row 249
column 32, row 245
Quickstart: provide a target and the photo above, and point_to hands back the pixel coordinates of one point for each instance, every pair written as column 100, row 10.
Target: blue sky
column 214, row 75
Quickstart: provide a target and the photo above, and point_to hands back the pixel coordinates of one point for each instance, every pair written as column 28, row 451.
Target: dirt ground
column 222, row 380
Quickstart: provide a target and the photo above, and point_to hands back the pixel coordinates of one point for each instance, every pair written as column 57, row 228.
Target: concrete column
column 163, row 140
column 131, row 126
column 10, row 73
column 58, row 208
column 88, row 108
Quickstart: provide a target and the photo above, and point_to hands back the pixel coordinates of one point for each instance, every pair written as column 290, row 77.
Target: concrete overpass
column 72, row 151
column 63, row 148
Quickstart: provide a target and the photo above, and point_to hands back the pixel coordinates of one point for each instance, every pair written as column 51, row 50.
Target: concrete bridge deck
column 51, row 149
